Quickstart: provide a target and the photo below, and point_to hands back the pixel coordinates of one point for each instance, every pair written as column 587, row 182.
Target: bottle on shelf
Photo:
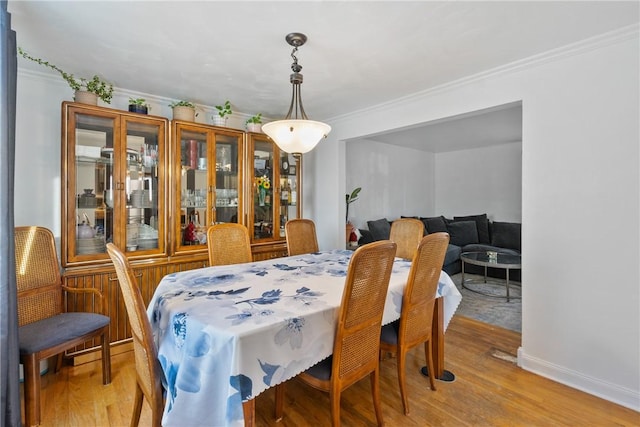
column 294, row 193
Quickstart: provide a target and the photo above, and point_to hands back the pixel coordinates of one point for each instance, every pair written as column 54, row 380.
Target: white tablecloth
column 227, row 333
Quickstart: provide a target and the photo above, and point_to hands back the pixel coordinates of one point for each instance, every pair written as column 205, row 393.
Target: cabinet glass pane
column 227, row 179
column 288, row 190
column 93, row 226
column 141, row 186
column 193, row 187
column 263, row 186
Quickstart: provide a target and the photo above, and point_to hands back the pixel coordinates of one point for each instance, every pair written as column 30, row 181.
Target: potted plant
column 254, row 123
column 183, row 110
column 86, row 91
column 138, row 105
column 350, row 198
column 224, row 110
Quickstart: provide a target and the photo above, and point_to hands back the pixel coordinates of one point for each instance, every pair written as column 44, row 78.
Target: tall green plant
column 350, row 198
column 96, row 85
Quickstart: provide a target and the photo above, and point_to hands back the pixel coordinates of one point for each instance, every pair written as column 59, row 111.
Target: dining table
column 225, row 334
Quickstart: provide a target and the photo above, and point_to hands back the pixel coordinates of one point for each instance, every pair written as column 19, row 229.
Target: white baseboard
column 613, row 393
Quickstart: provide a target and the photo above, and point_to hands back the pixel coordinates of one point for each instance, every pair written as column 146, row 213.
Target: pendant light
column 296, row 134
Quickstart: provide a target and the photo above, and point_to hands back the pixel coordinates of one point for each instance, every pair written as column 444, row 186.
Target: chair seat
column 50, row 332
column 322, row 369
column 389, row 333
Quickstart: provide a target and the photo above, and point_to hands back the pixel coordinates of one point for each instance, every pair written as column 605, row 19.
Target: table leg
column 462, row 275
column 437, row 344
column 249, row 412
column 507, row 284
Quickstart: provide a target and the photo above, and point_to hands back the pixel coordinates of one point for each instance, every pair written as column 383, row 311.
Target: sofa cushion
column 462, row 233
column 380, row 229
column 365, row 237
column 434, row 224
column 452, row 255
column 506, row 235
column 482, row 225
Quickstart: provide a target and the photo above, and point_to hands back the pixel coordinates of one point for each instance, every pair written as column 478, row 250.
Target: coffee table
column 503, row 261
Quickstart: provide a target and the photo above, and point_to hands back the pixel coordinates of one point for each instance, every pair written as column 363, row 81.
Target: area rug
column 494, row 310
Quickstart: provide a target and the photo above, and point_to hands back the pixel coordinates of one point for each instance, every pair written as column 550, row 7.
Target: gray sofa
column 471, row 233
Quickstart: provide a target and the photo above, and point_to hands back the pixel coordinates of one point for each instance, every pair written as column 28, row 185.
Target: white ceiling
column 359, row 54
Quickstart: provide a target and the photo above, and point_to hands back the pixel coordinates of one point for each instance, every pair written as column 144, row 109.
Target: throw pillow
column 506, row 235
column 380, row 229
column 462, row 233
column 434, row 224
column 482, row 224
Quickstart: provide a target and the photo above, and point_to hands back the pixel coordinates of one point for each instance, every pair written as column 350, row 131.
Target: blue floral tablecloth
column 227, row 333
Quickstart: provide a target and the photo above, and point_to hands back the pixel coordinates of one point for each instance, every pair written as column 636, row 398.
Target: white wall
column 395, row 181
column 580, row 201
column 482, row 180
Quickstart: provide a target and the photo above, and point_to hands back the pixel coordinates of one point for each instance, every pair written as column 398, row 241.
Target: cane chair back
column 406, row 233
column 45, row 329
column 418, row 302
column 228, row 243
column 148, row 370
column 357, row 339
column 301, row 236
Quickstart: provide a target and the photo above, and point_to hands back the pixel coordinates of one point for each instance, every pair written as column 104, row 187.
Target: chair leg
column 58, row 366
column 156, row 412
column 31, row 365
column 375, row 391
column 401, row 364
column 429, row 356
column 280, row 401
column 137, row 406
column 334, row 397
column 106, row 356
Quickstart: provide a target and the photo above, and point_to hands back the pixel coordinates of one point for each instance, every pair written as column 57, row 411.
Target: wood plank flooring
column 488, row 391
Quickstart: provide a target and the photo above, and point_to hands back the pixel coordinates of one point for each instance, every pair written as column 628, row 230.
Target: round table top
column 501, row 261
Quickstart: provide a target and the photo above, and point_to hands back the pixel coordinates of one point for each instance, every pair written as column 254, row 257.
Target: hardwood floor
column 488, row 391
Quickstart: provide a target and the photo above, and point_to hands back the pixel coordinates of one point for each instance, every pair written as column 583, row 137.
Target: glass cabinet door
column 208, row 162
column 264, row 188
column 141, row 190
column 114, row 183
column 289, row 204
column 228, row 200
column 89, row 224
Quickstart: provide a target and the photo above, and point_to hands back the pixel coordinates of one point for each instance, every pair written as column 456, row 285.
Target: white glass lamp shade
column 296, row 136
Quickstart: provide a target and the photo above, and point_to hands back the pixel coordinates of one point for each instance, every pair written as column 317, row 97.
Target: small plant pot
column 140, row 109
column 219, row 121
column 184, row 113
column 85, row 97
column 254, row 127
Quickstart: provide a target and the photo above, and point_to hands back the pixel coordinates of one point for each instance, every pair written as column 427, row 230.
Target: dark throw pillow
column 506, row 235
column 380, row 229
column 482, row 225
column 434, row 224
column 462, row 233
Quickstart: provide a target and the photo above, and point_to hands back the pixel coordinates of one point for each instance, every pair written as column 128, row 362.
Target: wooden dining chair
column 418, row 300
column 357, row 339
column 301, row 236
column 228, row 243
column 45, row 329
column 149, row 373
column 406, row 233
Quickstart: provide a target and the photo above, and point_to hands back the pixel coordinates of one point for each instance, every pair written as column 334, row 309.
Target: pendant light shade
column 296, row 136
column 293, row 134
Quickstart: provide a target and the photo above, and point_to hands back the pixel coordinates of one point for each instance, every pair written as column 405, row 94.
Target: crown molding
column 577, row 48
